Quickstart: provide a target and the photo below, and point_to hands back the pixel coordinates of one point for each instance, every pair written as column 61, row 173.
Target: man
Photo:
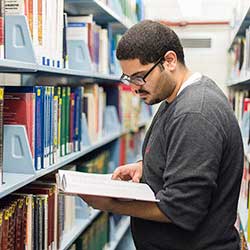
column 192, row 152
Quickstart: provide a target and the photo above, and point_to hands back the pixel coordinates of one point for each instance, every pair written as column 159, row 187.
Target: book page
column 102, row 185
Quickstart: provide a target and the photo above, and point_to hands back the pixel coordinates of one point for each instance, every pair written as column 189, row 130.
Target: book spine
column 1, row 133
column 72, row 109
column 2, row 36
column 59, row 93
column 14, row 7
column 63, row 123
column 1, row 227
column 39, row 128
column 51, row 113
column 55, row 127
column 67, row 121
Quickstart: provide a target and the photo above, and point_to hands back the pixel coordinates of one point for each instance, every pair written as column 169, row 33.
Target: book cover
column 19, row 110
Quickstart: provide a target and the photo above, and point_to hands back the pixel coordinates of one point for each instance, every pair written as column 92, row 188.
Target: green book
column 63, row 121
column 67, row 121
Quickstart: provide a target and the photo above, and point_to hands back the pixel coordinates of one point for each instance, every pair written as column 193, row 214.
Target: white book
column 35, row 26
column 103, row 52
column 78, row 27
column 14, row 7
column 77, row 31
column 81, row 19
column 72, row 182
column 59, row 36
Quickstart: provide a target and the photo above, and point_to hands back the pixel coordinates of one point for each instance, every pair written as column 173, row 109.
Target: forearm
column 140, row 209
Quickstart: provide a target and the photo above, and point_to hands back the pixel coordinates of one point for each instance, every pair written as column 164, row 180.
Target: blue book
column 39, row 128
column 46, row 126
column 76, row 24
column 51, row 112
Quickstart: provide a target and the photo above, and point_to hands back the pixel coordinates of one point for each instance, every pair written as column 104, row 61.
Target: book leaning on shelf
column 76, row 183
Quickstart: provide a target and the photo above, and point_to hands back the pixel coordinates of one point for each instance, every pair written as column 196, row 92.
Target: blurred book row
column 57, row 38
column 62, row 120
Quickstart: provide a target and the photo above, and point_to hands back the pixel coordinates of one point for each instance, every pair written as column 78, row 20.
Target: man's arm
column 140, row 209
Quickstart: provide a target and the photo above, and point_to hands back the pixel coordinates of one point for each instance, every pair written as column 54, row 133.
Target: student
column 192, row 152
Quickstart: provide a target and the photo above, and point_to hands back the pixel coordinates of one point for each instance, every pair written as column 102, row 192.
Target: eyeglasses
column 138, row 80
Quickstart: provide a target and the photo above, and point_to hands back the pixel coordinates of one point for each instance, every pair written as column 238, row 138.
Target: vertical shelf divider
column 16, row 154
column 18, row 43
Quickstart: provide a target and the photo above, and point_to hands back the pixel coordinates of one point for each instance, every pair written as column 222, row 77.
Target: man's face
column 159, row 84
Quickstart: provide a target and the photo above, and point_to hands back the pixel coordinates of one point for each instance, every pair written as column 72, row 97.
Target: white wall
column 186, row 10
column 213, row 61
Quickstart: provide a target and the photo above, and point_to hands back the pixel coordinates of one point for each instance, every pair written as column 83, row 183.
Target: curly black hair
column 148, row 41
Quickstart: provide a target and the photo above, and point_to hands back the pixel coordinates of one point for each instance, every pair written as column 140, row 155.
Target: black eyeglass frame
column 138, row 80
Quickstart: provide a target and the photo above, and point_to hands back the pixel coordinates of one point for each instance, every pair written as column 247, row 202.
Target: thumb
column 136, row 178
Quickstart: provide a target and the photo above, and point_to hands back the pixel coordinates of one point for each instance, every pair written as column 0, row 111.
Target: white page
column 101, row 185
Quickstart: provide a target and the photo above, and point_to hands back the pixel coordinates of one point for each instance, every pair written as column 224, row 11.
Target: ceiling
column 195, row 10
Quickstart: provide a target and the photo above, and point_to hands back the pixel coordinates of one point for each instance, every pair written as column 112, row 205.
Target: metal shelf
column 11, row 66
column 102, row 14
column 15, row 181
column 241, row 82
column 122, row 229
column 241, row 27
column 88, row 76
column 80, row 225
column 17, row 66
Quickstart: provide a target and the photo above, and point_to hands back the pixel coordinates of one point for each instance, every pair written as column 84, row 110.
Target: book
column 1, row 133
column 19, row 104
column 2, row 38
column 77, row 183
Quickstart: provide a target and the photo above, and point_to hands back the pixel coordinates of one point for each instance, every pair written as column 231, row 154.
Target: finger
column 120, row 172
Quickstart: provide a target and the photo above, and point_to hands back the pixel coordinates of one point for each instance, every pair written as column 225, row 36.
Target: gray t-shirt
column 193, row 161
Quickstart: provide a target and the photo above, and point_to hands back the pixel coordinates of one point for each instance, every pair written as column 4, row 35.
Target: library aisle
column 73, row 110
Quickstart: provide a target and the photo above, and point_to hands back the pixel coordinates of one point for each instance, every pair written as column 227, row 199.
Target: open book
column 73, row 182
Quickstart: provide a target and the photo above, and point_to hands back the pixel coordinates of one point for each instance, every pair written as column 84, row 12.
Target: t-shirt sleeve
column 193, row 155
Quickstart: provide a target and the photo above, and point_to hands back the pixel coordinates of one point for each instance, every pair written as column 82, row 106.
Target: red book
column 122, row 160
column 19, row 110
column 246, row 103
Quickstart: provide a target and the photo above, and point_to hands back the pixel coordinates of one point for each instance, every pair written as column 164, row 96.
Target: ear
column 170, row 60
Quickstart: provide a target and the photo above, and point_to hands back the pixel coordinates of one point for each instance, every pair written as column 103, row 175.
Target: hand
column 127, row 172
column 99, row 202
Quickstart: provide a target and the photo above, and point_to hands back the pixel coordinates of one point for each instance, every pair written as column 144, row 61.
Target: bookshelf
column 239, row 85
column 33, row 73
column 11, row 66
column 80, row 226
column 15, row 181
column 103, row 14
column 124, row 225
column 240, row 26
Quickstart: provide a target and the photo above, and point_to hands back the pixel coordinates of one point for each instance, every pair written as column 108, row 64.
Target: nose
column 135, row 88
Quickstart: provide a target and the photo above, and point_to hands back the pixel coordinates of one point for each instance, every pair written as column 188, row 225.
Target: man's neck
column 181, row 76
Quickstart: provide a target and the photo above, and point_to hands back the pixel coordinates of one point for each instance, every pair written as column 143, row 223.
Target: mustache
column 140, row 91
